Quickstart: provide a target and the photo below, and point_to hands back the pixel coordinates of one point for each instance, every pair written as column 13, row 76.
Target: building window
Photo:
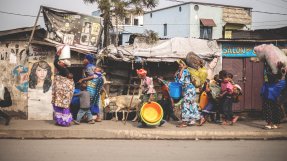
column 164, row 29
column 127, row 21
column 179, row 9
column 205, row 32
column 136, row 22
column 206, row 28
column 150, row 15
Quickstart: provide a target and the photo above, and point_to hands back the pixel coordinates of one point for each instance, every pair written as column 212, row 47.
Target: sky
column 31, row 8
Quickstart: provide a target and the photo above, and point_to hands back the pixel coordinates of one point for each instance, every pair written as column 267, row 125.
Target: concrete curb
column 142, row 134
column 243, row 130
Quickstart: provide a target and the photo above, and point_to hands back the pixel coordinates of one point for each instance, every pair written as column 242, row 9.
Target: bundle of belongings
column 196, row 68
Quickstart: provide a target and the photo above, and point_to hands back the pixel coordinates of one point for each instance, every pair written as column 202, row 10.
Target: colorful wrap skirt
column 62, row 93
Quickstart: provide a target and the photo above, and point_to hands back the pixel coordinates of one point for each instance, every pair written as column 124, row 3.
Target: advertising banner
column 77, row 30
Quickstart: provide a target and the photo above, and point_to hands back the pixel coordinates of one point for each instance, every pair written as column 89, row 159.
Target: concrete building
column 198, row 20
column 124, row 27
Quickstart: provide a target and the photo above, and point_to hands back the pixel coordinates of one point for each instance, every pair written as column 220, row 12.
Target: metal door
column 236, row 67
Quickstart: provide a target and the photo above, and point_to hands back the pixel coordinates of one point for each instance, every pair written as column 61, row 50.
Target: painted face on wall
column 41, row 73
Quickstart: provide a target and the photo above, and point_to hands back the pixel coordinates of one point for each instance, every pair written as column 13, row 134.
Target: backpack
column 7, row 99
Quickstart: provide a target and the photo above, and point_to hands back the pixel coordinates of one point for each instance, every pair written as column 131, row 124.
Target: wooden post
column 32, row 34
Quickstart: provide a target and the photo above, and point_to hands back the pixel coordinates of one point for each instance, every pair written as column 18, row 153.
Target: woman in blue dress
column 93, row 76
column 189, row 109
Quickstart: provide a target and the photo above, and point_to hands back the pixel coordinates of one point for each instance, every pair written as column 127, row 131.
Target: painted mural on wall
column 13, row 50
column 40, row 91
column 21, row 75
column 14, row 75
column 19, row 98
column 40, row 84
column 74, row 29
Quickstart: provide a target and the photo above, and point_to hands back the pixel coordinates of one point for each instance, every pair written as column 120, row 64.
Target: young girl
column 226, row 97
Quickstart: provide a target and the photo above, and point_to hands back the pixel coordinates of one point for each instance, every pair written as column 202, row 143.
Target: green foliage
column 120, row 8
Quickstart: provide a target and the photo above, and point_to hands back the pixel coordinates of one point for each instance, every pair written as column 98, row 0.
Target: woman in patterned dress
column 62, row 92
column 189, row 109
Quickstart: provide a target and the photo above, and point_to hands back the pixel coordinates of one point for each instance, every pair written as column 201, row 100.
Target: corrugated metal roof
column 208, row 22
column 17, row 30
column 262, row 34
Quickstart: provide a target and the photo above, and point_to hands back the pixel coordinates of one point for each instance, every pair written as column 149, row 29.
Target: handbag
column 7, row 99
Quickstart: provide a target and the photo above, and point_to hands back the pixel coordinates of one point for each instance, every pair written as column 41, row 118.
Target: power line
column 268, row 21
column 18, row 14
column 271, row 13
column 272, row 4
column 270, row 25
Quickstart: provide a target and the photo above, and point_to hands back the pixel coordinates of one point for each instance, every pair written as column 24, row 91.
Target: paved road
column 141, row 150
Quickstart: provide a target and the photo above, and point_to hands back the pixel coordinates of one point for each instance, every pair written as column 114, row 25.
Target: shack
column 16, row 64
column 239, row 59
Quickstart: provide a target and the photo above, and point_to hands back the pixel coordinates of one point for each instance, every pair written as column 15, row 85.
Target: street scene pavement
column 108, row 129
column 142, row 150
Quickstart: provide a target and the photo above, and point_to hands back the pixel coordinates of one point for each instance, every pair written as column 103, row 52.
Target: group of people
column 221, row 93
column 63, row 91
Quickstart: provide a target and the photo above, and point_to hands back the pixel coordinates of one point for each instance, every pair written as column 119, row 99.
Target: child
column 98, row 72
column 226, row 96
column 84, row 96
column 148, row 92
column 212, row 90
column 166, row 102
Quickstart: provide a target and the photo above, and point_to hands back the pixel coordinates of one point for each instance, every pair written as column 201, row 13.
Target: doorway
column 249, row 75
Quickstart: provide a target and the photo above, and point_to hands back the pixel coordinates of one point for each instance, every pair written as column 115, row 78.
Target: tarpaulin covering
column 169, row 51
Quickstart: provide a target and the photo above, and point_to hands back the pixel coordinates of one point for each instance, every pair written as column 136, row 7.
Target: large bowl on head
column 151, row 113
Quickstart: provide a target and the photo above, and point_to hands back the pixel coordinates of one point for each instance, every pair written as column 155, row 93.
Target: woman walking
column 62, row 92
column 189, row 110
column 93, row 76
column 270, row 92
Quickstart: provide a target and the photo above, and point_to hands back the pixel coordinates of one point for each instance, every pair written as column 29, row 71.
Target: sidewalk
column 24, row 129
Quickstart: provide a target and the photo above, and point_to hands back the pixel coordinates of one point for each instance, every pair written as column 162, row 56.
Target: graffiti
column 21, row 73
column 18, row 49
column 38, row 53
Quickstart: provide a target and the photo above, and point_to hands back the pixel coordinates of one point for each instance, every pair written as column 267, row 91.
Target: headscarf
column 142, row 72
column 90, row 58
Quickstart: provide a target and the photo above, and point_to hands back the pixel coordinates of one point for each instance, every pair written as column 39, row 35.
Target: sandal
column 224, row 123
column 268, row 127
column 98, row 119
column 202, row 121
column 274, row 127
column 181, row 125
column 235, row 119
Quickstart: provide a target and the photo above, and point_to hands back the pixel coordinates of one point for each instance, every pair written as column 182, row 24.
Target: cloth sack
column 7, row 99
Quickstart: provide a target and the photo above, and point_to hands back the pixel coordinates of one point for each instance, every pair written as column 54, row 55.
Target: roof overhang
column 207, row 22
